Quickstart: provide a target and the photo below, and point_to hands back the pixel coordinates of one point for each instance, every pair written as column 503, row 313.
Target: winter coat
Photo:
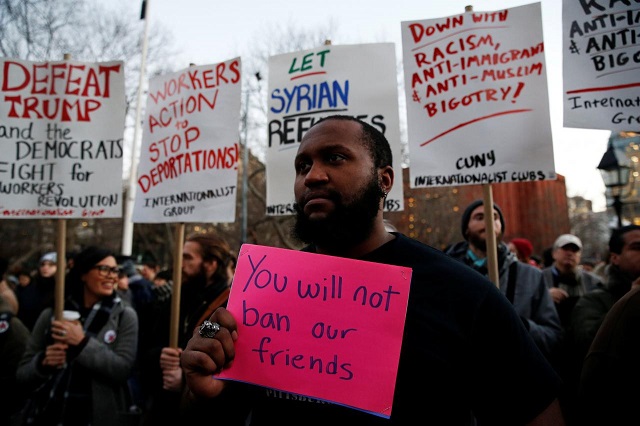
column 107, row 358
column 590, row 310
column 531, row 298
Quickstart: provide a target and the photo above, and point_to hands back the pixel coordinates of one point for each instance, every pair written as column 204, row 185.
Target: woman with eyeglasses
column 76, row 371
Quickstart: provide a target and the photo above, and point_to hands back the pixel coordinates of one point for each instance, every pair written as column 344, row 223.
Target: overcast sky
column 210, row 31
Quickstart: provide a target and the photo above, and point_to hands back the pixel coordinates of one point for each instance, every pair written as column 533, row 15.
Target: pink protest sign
column 308, row 324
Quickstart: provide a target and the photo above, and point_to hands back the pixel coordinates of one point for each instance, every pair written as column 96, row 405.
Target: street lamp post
column 617, row 207
column 615, row 176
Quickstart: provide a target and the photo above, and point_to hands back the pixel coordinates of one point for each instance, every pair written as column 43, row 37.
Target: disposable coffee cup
column 73, row 316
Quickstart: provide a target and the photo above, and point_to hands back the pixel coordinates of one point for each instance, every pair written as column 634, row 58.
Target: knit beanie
column 466, row 216
column 524, row 246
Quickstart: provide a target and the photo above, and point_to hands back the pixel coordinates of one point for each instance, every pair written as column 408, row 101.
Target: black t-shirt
column 464, row 351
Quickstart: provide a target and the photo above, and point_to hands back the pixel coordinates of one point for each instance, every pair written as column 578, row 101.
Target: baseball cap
column 566, row 239
column 52, row 256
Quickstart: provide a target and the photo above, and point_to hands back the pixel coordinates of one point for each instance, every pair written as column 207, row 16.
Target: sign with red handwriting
column 188, row 169
column 307, row 323
column 61, row 132
column 359, row 80
column 477, row 100
column 601, row 63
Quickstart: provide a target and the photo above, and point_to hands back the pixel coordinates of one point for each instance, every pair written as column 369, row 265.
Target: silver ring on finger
column 209, row 329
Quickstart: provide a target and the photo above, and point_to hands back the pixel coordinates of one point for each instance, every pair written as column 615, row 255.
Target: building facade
column 538, row 211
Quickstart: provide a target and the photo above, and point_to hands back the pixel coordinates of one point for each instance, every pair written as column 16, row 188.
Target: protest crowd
column 122, row 327
column 362, row 324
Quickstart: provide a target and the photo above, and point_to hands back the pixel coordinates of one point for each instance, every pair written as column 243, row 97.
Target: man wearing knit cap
column 521, row 283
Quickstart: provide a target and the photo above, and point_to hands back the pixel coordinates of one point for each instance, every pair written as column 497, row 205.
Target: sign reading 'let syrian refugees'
column 61, row 131
column 477, row 99
column 358, row 80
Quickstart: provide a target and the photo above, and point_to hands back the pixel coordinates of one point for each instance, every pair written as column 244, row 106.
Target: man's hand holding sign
column 308, row 329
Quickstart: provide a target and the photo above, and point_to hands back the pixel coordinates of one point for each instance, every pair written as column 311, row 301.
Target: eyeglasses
column 104, row 270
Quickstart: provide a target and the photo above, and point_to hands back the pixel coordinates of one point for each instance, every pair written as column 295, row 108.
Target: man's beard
column 348, row 224
column 477, row 241
column 481, row 243
column 196, row 281
column 192, row 292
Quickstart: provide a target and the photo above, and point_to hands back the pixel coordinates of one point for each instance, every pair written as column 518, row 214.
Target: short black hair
column 372, row 138
column 616, row 242
column 165, row 274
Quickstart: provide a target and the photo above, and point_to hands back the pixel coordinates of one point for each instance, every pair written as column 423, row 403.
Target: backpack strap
column 215, row 304
column 511, row 284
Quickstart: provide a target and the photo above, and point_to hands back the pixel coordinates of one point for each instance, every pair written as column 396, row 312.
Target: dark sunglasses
column 104, row 270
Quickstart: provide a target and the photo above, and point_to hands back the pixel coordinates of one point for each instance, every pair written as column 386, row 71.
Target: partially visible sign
column 358, row 80
column 600, row 64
